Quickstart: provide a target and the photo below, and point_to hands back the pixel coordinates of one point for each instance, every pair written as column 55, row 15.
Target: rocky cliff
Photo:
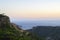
column 11, row 31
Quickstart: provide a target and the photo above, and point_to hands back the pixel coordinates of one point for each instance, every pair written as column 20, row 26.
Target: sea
column 30, row 23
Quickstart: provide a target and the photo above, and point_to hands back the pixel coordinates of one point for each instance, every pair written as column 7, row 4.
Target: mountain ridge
column 46, row 32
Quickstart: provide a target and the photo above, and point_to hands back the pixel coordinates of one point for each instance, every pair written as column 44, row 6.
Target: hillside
column 46, row 32
column 11, row 31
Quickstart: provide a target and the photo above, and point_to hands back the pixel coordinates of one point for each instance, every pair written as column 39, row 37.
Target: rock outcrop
column 4, row 21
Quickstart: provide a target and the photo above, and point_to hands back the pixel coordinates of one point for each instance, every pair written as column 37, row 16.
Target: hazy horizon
column 29, row 23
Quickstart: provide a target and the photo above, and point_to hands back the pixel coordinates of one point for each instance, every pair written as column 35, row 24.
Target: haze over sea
column 29, row 23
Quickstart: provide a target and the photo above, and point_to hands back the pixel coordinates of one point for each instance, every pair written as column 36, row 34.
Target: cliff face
column 4, row 21
column 10, row 31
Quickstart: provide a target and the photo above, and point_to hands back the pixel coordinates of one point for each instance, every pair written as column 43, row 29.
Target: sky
column 31, row 9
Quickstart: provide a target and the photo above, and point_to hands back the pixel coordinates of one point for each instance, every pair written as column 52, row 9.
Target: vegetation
column 46, row 32
column 9, row 32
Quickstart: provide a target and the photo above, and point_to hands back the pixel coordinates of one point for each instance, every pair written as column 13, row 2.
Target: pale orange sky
column 31, row 8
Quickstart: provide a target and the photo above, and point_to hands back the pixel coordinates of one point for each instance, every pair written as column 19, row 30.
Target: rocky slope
column 11, row 31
